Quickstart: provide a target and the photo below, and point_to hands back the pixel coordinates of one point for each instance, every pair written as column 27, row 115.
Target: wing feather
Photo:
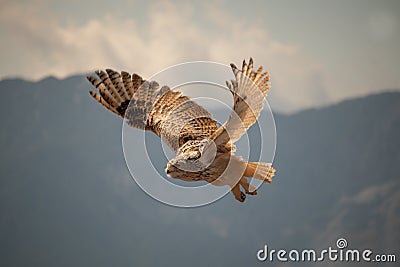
column 144, row 105
column 111, row 89
column 115, row 92
column 181, row 118
column 249, row 90
column 126, row 79
column 104, row 92
column 116, row 80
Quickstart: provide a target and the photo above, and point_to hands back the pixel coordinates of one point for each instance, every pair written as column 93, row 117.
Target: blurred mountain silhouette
column 67, row 199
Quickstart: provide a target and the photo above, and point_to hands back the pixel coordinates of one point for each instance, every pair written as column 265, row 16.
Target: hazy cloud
column 169, row 36
column 370, row 194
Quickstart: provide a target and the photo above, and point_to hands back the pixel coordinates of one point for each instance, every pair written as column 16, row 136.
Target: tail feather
column 260, row 170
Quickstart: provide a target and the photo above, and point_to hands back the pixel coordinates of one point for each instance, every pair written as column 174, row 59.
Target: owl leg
column 247, row 186
column 239, row 195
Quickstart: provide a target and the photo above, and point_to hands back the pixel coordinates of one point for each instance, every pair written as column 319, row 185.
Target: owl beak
column 168, row 171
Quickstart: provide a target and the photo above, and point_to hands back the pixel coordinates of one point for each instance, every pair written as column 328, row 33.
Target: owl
column 204, row 150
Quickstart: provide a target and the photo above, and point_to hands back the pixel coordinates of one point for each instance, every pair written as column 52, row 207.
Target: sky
column 317, row 52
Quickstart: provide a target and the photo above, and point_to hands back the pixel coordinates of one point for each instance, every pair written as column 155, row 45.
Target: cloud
column 369, row 194
column 40, row 45
column 382, row 25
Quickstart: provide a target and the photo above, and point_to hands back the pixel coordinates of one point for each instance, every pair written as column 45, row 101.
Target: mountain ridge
column 67, row 197
column 82, row 78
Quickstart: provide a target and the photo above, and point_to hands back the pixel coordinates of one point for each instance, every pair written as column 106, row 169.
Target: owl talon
column 253, row 193
column 239, row 195
column 243, row 196
column 250, row 190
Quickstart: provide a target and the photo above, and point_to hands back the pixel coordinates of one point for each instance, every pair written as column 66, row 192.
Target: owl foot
column 250, row 190
column 239, row 195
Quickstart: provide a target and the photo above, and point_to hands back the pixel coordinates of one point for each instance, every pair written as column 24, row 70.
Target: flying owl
column 204, row 150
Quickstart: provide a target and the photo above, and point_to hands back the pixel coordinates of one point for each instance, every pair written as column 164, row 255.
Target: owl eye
column 194, row 156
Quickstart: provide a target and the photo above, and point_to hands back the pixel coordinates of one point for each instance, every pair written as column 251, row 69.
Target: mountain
column 67, row 198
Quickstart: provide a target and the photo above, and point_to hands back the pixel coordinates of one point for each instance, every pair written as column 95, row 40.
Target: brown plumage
column 203, row 150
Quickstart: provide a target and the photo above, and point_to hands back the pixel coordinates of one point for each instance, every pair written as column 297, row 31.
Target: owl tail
column 115, row 90
column 260, row 170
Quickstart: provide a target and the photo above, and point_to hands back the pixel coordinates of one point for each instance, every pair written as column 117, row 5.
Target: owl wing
column 144, row 105
column 249, row 90
column 115, row 90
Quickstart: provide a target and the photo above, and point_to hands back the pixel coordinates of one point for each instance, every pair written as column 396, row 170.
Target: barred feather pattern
column 249, row 90
column 188, row 129
column 184, row 122
column 173, row 117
